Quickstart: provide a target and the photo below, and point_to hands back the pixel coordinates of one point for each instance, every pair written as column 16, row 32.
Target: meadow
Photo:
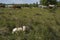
column 46, row 24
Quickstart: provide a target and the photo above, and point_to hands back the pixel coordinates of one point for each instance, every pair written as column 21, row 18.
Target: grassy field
column 46, row 24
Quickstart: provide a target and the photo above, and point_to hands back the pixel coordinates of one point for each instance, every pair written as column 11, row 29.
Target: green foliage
column 30, row 5
column 2, row 5
column 58, row 3
column 47, row 2
column 46, row 25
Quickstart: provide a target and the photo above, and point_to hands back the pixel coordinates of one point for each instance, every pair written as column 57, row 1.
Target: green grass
column 46, row 25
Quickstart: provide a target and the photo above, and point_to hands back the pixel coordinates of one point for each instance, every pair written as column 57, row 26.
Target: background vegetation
column 46, row 24
column 47, row 2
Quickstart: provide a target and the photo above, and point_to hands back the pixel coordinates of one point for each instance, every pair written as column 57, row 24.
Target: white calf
column 19, row 29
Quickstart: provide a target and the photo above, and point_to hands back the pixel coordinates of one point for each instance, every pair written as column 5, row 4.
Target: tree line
column 47, row 2
column 21, row 5
column 42, row 2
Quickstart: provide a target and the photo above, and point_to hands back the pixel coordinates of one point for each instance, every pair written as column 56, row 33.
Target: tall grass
column 46, row 25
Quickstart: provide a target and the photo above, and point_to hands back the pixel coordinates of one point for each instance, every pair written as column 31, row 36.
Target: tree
column 2, row 5
column 36, row 4
column 52, row 2
column 26, row 5
column 58, row 4
column 43, row 2
column 30, row 5
column 46, row 2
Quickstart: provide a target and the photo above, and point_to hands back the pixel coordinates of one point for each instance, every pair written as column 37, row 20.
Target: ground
column 46, row 24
